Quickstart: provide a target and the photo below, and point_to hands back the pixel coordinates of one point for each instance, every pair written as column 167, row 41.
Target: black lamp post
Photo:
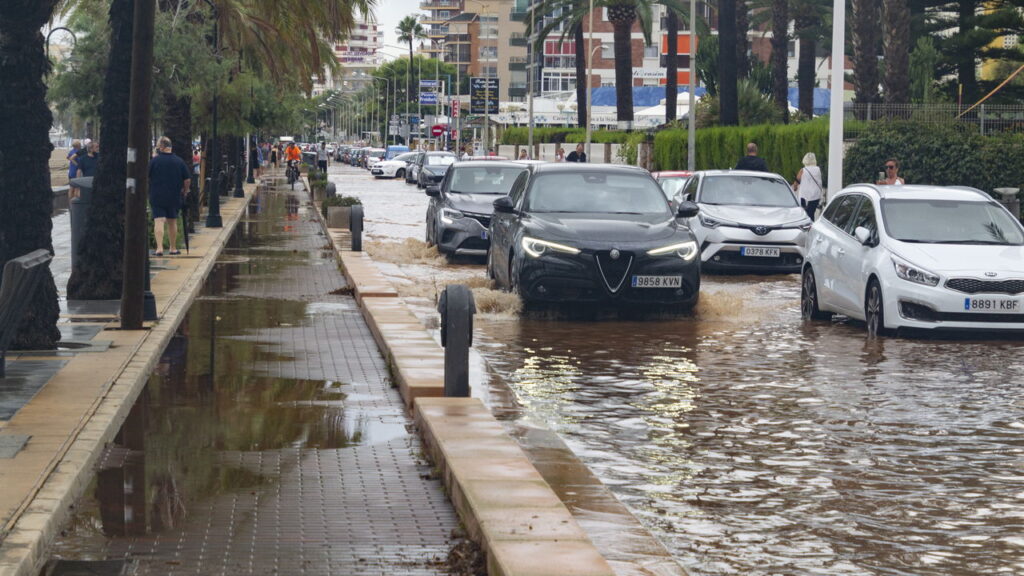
column 213, row 219
column 240, row 158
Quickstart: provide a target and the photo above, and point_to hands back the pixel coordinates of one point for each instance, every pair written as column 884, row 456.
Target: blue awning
column 643, row 96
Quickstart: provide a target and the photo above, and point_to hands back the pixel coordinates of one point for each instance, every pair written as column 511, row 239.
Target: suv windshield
column 441, row 160
column 595, row 192
column 746, row 191
column 483, row 180
column 950, row 222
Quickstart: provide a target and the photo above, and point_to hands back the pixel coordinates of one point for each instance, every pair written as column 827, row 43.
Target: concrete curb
column 69, row 468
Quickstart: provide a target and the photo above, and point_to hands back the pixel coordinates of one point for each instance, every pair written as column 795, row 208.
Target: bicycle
column 292, row 173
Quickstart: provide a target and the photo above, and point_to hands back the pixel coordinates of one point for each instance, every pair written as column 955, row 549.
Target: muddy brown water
column 751, row 442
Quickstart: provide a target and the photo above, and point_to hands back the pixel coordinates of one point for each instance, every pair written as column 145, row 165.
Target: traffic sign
column 429, row 98
column 455, row 108
column 394, row 117
column 428, row 83
column 483, row 95
column 437, row 130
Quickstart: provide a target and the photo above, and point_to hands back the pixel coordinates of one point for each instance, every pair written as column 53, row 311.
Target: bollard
column 331, row 190
column 457, row 308
column 79, row 212
column 356, row 227
column 1008, row 198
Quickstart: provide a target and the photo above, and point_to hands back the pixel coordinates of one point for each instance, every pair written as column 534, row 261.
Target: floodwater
column 269, row 439
column 753, row 443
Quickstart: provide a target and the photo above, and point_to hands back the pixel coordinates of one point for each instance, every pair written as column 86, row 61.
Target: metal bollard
column 331, row 190
column 1008, row 198
column 356, row 227
column 457, row 308
column 79, row 211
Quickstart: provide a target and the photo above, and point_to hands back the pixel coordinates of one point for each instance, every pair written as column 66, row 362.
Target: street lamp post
column 691, row 140
column 213, row 219
column 590, row 74
column 387, row 118
column 835, row 122
column 532, row 55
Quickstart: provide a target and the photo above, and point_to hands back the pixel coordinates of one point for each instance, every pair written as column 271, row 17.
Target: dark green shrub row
column 937, row 154
column 559, row 135
column 781, row 145
column 338, row 201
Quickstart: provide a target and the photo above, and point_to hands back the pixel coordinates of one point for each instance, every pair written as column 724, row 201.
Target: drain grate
column 86, row 568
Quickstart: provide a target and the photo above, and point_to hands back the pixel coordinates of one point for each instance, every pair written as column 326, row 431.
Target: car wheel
column 400, row 173
column 429, row 237
column 490, row 266
column 513, row 278
column 809, row 297
column 874, row 309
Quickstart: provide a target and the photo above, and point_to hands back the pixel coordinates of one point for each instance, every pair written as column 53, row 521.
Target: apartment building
column 358, row 57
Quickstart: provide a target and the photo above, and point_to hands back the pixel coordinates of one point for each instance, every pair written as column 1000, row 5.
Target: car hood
column 763, row 215
column 605, row 228
column 473, row 203
column 973, row 260
column 436, row 169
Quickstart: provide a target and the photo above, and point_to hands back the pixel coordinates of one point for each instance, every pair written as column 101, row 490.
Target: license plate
column 998, row 305
column 759, row 251
column 657, row 281
column 484, row 235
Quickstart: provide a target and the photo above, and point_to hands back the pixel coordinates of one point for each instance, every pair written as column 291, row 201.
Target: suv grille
column 613, row 271
column 483, row 219
column 975, row 286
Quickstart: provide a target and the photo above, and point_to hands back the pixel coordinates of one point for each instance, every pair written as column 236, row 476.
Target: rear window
column 483, row 180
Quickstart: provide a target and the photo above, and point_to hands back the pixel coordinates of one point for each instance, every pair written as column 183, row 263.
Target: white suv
column 924, row 257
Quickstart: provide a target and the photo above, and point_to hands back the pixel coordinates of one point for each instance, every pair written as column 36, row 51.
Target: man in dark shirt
column 577, row 155
column 752, row 161
column 88, row 160
column 169, row 179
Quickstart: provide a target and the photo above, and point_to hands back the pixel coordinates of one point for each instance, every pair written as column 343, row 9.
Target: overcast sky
column 389, row 13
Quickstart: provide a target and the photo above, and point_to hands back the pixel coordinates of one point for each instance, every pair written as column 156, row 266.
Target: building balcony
column 519, row 16
column 432, row 19
column 441, row 5
column 516, row 91
column 517, row 40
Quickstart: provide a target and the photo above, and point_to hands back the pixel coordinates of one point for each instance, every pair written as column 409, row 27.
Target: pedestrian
column 559, row 154
column 255, row 158
column 752, row 161
column 577, row 155
column 169, row 180
column 808, row 186
column 321, row 157
column 274, row 151
column 891, row 175
column 76, row 147
column 523, row 155
column 88, row 159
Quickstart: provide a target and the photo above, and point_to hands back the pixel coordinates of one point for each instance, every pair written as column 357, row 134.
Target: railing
column 986, row 118
column 440, row 5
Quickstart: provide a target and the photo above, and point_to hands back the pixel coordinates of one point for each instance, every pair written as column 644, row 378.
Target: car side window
column 519, row 189
column 840, row 212
column 690, row 192
column 865, row 217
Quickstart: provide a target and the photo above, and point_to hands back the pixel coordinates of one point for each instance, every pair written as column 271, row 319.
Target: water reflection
column 773, row 446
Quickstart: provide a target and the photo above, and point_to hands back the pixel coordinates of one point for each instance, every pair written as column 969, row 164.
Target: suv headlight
column 912, row 273
column 450, row 215
column 712, row 222
column 536, row 247
column 803, row 224
column 685, row 250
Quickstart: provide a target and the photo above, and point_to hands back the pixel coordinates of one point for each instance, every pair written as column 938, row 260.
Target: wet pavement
column 269, row 439
column 749, row 441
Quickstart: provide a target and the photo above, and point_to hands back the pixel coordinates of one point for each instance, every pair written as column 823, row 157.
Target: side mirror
column 504, row 205
column 687, row 209
column 434, row 191
column 864, row 236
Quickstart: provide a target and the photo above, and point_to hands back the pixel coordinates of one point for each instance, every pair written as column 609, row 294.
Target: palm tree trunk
column 26, row 199
column 966, row 66
column 623, row 71
column 727, row 74
column 780, row 53
column 582, row 89
column 742, row 39
column 866, row 37
column 672, row 64
column 897, row 52
column 805, row 63
column 100, row 256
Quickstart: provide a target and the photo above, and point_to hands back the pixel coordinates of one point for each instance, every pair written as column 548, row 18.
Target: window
column 559, row 61
column 553, row 81
column 865, row 217
column 651, row 51
column 608, row 51
column 488, row 52
column 840, row 212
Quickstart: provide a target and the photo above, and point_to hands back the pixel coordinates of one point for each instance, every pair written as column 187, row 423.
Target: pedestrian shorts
column 165, row 210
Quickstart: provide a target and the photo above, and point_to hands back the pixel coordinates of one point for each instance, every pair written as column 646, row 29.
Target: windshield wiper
column 982, row 242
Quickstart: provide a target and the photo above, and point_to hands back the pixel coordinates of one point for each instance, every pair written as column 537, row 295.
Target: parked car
column 412, row 173
column 672, row 182
column 593, row 233
column 748, row 221
column 394, row 150
column 394, row 168
column 432, row 168
column 355, row 157
column 920, row 257
column 460, row 209
column 373, row 155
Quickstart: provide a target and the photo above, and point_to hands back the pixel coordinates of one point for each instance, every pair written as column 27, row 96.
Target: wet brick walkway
column 346, row 494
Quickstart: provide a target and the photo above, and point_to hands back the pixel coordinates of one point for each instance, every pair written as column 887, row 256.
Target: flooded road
column 750, row 442
column 269, row 439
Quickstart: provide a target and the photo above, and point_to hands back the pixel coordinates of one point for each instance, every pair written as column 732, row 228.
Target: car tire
column 874, row 309
column 809, row 309
column 490, row 266
column 400, row 173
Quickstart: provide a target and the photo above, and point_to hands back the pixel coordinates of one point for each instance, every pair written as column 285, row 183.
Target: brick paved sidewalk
column 296, row 457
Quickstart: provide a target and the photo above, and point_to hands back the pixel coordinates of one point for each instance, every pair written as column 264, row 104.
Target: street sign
column 437, row 130
column 455, row 108
column 414, row 120
column 394, row 117
column 429, row 98
column 428, row 83
column 483, row 95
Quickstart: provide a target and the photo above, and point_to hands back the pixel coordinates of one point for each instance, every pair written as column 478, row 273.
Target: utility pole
column 136, row 244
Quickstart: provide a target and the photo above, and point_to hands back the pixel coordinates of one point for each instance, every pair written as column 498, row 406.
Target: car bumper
column 431, row 179
column 919, row 307
column 465, row 236
column 568, row 278
column 723, row 249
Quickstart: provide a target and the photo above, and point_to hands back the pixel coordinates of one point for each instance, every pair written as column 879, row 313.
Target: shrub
column 338, row 201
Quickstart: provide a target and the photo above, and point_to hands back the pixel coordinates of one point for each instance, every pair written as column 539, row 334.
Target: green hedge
column 781, row 145
column 559, row 135
column 937, row 154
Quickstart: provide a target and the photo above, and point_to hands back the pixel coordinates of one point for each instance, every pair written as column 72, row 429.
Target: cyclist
column 292, row 156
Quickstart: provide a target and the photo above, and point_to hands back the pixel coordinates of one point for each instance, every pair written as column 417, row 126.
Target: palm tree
column 866, row 15
column 26, row 199
column 897, row 52
column 409, row 30
column 807, row 32
column 780, row 55
column 672, row 64
column 727, row 72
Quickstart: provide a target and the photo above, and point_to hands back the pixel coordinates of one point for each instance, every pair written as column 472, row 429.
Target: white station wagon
column 922, row 257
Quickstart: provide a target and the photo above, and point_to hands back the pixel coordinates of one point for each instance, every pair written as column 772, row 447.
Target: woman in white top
column 808, row 184
column 891, row 176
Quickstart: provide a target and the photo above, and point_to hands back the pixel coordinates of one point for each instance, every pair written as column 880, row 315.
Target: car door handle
column 840, row 251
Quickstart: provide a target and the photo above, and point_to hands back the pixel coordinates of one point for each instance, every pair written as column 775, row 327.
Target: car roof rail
column 973, row 189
